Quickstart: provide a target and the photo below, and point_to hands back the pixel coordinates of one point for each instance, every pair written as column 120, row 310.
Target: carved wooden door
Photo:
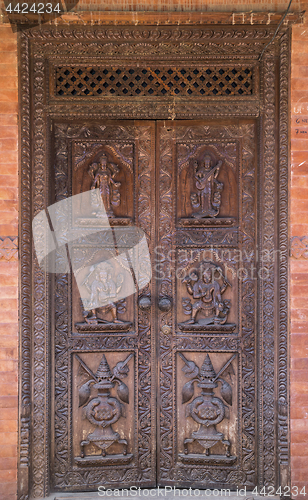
column 157, row 386
column 206, row 328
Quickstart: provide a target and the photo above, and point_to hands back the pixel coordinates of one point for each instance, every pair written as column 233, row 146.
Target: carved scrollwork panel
column 283, row 411
column 210, row 238
column 267, row 284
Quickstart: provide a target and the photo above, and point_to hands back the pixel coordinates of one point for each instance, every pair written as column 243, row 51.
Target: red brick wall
column 299, row 262
column 298, row 230
column 8, row 263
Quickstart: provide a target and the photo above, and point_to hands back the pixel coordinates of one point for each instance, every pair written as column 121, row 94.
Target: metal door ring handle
column 145, row 303
column 164, row 304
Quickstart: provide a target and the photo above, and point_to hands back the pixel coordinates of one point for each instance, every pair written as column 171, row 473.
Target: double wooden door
column 157, row 386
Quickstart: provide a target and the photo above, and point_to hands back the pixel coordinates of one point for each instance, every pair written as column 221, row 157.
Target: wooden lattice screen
column 147, row 81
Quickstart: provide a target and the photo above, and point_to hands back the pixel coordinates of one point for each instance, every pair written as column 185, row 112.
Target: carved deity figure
column 103, row 293
column 207, row 291
column 103, row 175
column 208, row 199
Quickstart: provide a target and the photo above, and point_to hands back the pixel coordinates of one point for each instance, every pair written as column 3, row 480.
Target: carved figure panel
column 207, row 289
column 104, row 282
column 207, row 187
column 103, row 430
column 102, row 175
column 109, row 167
column 208, row 196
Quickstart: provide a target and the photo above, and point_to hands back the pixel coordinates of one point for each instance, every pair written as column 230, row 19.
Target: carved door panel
column 179, row 351
column 206, row 274
column 104, row 395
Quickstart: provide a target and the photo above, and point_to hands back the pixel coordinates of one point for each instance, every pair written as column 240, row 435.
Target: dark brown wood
column 176, row 384
column 98, row 339
column 152, row 18
column 208, row 275
column 155, row 80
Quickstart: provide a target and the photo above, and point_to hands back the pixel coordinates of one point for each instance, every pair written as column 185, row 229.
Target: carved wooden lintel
column 101, row 461
column 124, row 326
column 102, row 17
column 204, row 328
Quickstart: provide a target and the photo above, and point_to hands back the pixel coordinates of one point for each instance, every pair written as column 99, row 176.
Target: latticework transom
column 146, row 81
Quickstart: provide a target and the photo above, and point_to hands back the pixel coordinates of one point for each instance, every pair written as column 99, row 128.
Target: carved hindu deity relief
column 205, row 305
column 103, row 176
column 103, row 288
column 207, row 185
column 208, row 409
column 107, row 171
column 103, row 297
column 102, row 409
column 209, row 189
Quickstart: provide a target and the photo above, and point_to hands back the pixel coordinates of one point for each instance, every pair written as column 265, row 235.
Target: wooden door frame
column 38, row 52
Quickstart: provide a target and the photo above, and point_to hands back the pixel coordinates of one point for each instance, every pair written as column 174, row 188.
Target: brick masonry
column 299, row 262
column 8, row 263
column 298, row 231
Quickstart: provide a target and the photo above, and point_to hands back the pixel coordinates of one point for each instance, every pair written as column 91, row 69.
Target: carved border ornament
column 41, row 49
column 9, row 248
